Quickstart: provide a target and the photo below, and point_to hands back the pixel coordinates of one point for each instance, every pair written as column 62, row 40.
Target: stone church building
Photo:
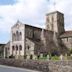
column 27, row 40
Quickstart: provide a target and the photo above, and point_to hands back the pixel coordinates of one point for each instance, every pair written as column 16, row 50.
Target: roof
column 17, row 24
column 28, row 25
column 1, row 46
column 66, row 34
column 8, row 44
column 54, row 12
column 34, row 27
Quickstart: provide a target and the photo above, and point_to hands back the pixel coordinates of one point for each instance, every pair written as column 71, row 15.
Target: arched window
column 16, row 47
column 28, row 47
column 20, row 47
column 31, row 56
column 17, row 36
column 20, row 36
column 13, row 37
column 13, row 48
column 20, row 33
column 17, row 32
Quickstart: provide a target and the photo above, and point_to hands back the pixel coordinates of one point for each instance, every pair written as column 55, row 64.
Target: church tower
column 55, row 22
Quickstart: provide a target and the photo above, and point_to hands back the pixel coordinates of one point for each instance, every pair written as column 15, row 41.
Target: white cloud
column 33, row 12
column 63, row 6
column 24, row 10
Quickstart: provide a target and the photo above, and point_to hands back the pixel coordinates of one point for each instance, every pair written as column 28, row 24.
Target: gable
column 17, row 25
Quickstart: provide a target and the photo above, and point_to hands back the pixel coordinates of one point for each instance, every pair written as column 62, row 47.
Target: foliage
column 31, row 56
column 55, row 53
column 38, row 57
column 43, row 58
column 11, row 56
column 55, row 58
column 25, row 56
column 71, row 51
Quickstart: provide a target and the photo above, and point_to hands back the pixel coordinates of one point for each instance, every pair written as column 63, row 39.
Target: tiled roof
column 66, row 34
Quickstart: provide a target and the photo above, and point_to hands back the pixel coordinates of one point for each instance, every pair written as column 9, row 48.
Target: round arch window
column 20, row 47
column 13, row 48
column 16, row 32
column 16, row 47
column 20, row 33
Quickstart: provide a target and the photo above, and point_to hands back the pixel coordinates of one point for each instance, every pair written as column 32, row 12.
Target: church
column 28, row 41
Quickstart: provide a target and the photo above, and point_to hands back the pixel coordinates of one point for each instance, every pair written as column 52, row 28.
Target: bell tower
column 55, row 22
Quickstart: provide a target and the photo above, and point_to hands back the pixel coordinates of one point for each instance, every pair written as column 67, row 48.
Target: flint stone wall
column 43, row 66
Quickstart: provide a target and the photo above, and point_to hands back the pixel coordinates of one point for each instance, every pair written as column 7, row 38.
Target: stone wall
column 17, row 40
column 55, row 22
column 2, row 50
column 32, row 32
column 43, row 66
column 42, row 39
column 6, row 50
column 67, row 42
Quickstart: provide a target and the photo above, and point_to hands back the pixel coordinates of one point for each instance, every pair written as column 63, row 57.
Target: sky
column 30, row 12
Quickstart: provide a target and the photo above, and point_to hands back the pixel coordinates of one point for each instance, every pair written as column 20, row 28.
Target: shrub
column 25, row 56
column 11, row 56
column 31, row 56
column 55, row 58
column 71, row 51
column 55, row 53
column 38, row 56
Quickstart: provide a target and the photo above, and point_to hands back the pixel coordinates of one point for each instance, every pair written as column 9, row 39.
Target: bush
column 55, row 53
column 55, row 58
column 38, row 56
column 43, row 58
column 31, row 56
column 11, row 56
column 71, row 51
column 25, row 56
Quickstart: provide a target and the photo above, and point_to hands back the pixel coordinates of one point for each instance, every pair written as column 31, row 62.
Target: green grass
column 54, row 58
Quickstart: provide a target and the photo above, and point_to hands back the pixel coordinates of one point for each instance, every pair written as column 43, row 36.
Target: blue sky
column 30, row 12
column 6, row 2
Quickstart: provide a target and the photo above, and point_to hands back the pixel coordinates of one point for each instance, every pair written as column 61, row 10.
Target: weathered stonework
column 7, row 50
column 67, row 39
column 42, row 66
column 55, row 22
column 28, row 40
